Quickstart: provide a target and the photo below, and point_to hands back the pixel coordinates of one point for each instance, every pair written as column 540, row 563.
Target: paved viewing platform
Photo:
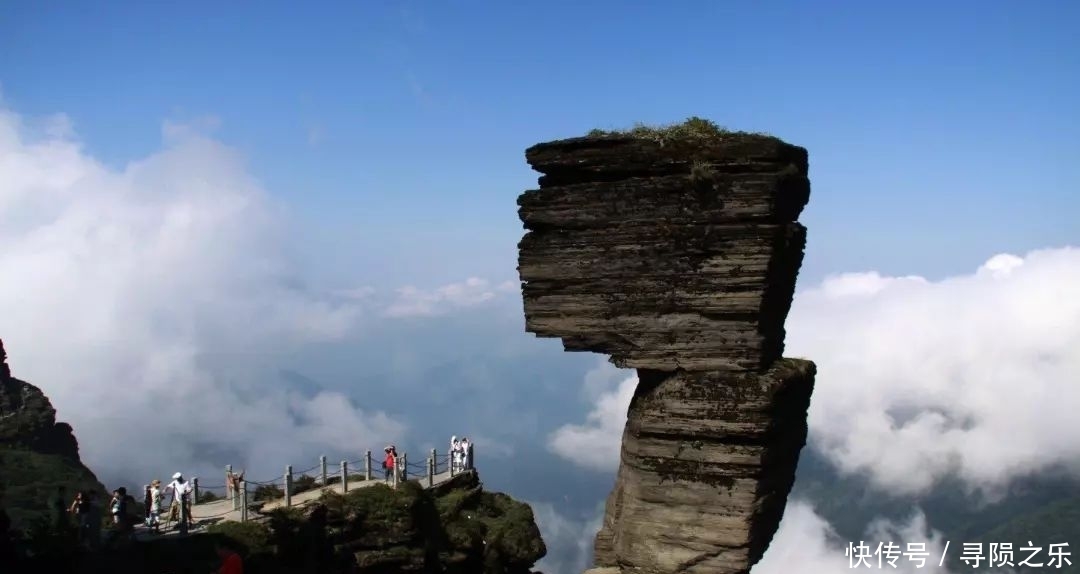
column 217, row 503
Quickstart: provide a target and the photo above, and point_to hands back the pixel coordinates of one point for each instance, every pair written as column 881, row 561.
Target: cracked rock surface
column 679, row 258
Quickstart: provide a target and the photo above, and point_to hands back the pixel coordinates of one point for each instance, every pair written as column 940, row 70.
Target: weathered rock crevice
column 677, row 255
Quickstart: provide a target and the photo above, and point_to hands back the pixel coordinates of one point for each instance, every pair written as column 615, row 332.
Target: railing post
column 230, row 492
column 404, row 466
column 431, row 472
column 395, row 471
column 367, row 465
column 322, row 468
column 344, row 477
column 194, row 491
column 243, row 499
column 288, row 486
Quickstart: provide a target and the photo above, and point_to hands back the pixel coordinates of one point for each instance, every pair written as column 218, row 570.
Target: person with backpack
column 120, row 508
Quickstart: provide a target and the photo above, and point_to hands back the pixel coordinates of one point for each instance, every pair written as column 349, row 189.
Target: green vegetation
column 30, row 483
column 249, row 538
column 693, row 128
column 265, row 492
column 352, row 478
column 303, row 483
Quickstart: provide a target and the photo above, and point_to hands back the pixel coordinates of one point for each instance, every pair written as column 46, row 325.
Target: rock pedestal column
column 678, row 257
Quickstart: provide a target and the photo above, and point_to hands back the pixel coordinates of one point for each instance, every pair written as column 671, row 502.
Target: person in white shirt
column 466, row 454
column 455, row 454
column 180, row 503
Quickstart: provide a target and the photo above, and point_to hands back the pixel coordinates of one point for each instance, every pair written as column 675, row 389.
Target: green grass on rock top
column 693, row 128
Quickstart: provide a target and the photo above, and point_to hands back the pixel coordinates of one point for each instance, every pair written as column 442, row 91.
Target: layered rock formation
column 676, row 251
column 38, row 455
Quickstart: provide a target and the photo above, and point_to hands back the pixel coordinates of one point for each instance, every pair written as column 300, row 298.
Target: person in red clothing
column 388, row 462
column 230, row 560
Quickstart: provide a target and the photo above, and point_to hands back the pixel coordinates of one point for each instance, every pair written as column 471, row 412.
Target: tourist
column 181, row 504
column 455, row 455
column 120, row 506
column 466, row 454
column 154, row 506
column 390, row 462
column 81, row 509
column 233, row 483
column 146, row 505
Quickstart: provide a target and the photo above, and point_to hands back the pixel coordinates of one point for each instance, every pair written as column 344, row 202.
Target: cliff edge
column 38, row 455
column 675, row 251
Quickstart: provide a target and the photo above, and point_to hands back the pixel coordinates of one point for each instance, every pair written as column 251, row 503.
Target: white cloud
column 601, row 435
column 414, row 302
column 969, row 376
column 805, row 543
column 144, row 301
column 569, row 541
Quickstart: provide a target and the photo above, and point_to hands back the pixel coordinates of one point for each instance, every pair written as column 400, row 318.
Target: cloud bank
column 806, row 543
column 152, row 302
column 969, row 376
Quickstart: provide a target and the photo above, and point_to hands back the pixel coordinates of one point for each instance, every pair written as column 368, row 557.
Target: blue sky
column 939, row 134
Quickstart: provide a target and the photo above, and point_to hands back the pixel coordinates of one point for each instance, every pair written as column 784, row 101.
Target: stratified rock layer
column 679, row 258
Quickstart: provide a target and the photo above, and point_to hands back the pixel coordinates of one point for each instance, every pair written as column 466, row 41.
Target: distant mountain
column 1042, row 509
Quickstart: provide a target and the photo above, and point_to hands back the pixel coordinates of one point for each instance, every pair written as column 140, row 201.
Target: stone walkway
column 222, row 510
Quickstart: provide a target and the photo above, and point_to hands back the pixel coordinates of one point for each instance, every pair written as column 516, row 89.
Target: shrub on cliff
column 303, row 483
column 693, row 128
column 249, row 538
column 265, row 492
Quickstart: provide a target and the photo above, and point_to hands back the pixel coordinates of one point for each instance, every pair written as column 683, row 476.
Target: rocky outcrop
column 28, row 419
column 676, row 251
column 38, row 456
